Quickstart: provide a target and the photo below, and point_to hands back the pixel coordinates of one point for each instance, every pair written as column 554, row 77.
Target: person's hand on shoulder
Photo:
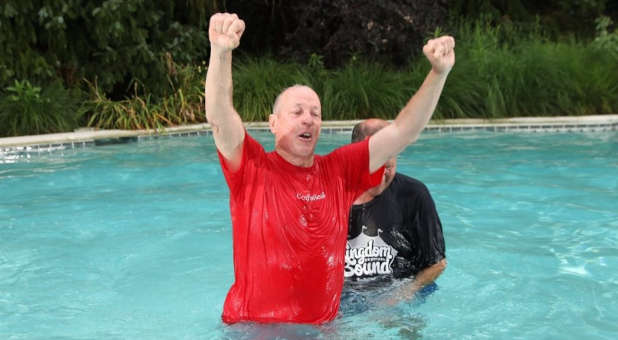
column 224, row 31
column 441, row 54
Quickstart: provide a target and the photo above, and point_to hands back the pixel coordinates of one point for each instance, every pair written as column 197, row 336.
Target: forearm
column 413, row 118
column 219, row 103
column 429, row 274
column 426, row 276
column 225, row 122
column 410, row 121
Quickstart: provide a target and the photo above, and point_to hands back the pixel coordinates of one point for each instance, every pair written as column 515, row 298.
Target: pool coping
column 91, row 137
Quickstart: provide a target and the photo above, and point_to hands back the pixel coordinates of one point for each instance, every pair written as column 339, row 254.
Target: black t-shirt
column 395, row 235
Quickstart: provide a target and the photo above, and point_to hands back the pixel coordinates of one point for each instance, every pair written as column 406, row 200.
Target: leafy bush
column 27, row 109
column 559, row 17
column 183, row 106
column 258, row 81
column 115, row 42
column 526, row 75
column 363, row 89
column 606, row 40
column 339, row 29
column 501, row 71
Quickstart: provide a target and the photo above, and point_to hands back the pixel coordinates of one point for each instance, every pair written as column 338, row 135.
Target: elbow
column 413, row 135
column 218, row 111
column 211, row 113
column 412, row 139
column 406, row 135
column 210, row 118
column 441, row 265
column 208, row 109
column 212, row 105
column 214, row 127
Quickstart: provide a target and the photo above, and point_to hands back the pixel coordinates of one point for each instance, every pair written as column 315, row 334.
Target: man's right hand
column 224, row 31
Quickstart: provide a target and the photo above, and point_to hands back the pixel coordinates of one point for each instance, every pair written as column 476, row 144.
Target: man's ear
column 272, row 120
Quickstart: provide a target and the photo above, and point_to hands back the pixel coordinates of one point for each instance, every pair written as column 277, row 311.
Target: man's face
column 390, row 168
column 296, row 124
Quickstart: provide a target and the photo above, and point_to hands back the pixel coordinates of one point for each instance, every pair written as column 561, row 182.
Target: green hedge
column 115, row 42
column 501, row 70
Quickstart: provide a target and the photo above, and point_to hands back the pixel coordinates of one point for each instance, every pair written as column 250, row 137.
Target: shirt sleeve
column 252, row 154
column 354, row 160
column 427, row 237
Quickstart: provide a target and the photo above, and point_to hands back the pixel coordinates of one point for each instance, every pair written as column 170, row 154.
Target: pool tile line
column 38, row 148
column 98, row 138
column 523, row 128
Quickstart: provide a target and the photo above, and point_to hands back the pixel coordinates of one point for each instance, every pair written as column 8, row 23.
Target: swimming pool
column 134, row 241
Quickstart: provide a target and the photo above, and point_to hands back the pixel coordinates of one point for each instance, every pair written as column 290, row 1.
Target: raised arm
column 411, row 121
column 224, row 33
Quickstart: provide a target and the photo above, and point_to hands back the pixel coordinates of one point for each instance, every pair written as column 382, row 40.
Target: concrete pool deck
column 88, row 137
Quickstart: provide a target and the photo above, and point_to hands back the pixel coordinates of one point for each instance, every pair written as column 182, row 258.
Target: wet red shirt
column 289, row 231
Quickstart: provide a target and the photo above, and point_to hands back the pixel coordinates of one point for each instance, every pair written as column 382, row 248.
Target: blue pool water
column 133, row 241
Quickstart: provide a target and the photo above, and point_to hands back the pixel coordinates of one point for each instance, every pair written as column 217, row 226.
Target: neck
column 364, row 198
column 303, row 162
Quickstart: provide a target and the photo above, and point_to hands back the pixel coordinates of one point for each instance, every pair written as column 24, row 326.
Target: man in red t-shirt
column 290, row 207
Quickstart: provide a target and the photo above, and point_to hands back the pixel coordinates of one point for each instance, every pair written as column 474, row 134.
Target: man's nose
column 307, row 118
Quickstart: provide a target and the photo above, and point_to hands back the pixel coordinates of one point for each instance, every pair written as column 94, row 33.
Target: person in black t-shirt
column 394, row 232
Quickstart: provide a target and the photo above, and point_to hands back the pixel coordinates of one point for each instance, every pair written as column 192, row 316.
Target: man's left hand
column 441, row 54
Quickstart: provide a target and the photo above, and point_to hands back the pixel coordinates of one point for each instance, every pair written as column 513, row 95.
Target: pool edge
column 89, row 137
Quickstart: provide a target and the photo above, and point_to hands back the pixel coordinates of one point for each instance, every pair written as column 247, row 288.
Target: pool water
column 133, row 241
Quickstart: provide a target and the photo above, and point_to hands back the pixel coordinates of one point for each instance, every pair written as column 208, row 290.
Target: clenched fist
column 225, row 30
column 441, row 53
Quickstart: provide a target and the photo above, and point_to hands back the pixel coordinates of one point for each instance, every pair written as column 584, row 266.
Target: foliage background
column 141, row 64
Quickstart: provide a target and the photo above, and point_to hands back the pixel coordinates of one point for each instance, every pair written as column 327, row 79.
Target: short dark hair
column 363, row 130
column 358, row 132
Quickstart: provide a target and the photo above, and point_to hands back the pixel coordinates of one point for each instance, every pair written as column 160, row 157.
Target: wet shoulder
column 408, row 186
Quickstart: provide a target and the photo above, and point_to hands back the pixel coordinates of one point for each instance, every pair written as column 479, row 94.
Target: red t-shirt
column 290, row 230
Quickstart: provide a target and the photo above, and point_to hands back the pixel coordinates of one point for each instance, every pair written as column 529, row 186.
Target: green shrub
column 115, row 42
column 258, row 81
column 364, row 89
column 184, row 105
column 27, row 109
column 605, row 40
column 502, row 71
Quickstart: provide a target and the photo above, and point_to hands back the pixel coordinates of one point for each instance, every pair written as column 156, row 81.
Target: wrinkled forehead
column 302, row 96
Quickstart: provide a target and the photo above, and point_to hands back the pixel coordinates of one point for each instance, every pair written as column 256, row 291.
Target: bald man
column 290, row 207
column 394, row 232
